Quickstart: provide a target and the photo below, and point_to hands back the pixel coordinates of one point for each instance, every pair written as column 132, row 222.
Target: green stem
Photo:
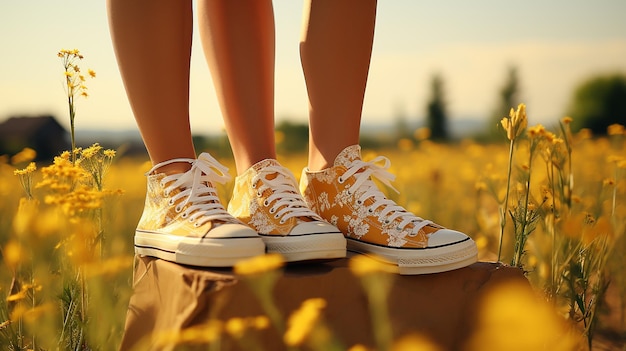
column 506, row 199
column 70, row 101
column 522, row 239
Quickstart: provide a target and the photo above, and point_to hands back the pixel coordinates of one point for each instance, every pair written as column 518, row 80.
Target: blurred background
column 453, row 66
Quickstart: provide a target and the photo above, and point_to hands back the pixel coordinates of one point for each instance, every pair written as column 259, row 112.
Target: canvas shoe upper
column 184, row 221
column 266, row 197
column 346, row 196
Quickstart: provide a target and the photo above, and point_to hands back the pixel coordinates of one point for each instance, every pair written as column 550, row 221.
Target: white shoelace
column 390, row 211
column 285, row 201
column 196, row 188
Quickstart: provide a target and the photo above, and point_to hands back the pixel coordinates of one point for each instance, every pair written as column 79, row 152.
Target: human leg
column 238, row 41
column 338, row 185
column 152, row 42
column 183, row 220
column 335, row 50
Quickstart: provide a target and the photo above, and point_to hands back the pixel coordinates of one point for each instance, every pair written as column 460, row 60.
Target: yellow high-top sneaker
column 346, row 196
column 183, row 220
column 266, row 197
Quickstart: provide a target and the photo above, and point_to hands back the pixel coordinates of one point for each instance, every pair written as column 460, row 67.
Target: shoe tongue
column 348, row 155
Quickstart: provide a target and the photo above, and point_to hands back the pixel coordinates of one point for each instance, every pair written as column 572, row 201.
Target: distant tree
column 436, row 115
column 401, row 123
column 599, row 102
column 508, row 97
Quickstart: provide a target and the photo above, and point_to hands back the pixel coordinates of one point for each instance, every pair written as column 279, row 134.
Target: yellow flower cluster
column 75, row 81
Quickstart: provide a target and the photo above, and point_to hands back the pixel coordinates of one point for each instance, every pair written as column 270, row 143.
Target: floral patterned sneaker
column 183, row 220
column 346, row 196
column 266, row 197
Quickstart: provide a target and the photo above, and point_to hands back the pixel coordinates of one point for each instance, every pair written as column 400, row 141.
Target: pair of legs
column 152, row 40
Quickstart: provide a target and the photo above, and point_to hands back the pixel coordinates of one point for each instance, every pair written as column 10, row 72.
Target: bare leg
column 335, row 49
column 152, row 41
column 238, row 41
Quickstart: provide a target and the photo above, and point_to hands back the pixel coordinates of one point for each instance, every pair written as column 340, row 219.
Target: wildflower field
column 66, row 229
column 546, row 200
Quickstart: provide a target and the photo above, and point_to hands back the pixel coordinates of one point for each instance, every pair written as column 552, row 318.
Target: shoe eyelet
column 266, row 203
column 253, row 185
column 166, row 193
column 184, row 215
column 276, row 216
column 178, row 209
column 348, row 192
column 359, row 202
column 171, row 202
column 369, row 210
column 340, row 180
column 272, row 210
column 196, row 225
column 281, row 221
column 258, row 194
column 386, row 221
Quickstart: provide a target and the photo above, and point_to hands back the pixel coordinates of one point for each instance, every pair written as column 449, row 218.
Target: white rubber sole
column 202, row 252
column 423, row 260
column 307, row 247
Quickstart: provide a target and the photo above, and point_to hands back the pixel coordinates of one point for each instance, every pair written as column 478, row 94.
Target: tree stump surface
column 170, row 297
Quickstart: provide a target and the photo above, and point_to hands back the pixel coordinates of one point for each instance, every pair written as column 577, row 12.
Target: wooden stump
column 169, row 297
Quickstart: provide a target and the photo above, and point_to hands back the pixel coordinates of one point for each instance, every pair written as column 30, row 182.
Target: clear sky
column 555, row 45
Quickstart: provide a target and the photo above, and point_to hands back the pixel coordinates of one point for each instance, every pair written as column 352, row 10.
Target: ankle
column 317, row 162
column 174, row 168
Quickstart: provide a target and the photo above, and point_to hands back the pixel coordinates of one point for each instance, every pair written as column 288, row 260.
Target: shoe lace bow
column 365, row 188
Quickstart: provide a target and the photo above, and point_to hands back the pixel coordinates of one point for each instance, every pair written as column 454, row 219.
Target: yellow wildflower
column 516, row 123
column 26, row 155
column 91, row 151
column 13, row 254
column 615, row 129
column 204, row 333
column 259, row 264
column 109, row 266
column 512, row 309
column 584, row 134
column 29, row 169
column 261, row 322
column 358, row 347
column 422, row 133
column 362, row 265
column 567, row 120
column 109, row 153
column 91, row 73
column 536, row 131
column 303, row 321
column 414, row 342
column 405, row 144
column 235, row 327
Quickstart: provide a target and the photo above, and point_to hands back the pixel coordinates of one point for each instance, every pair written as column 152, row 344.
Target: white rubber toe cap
column 445, row 237
column 316, row 227
column 231, row 230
